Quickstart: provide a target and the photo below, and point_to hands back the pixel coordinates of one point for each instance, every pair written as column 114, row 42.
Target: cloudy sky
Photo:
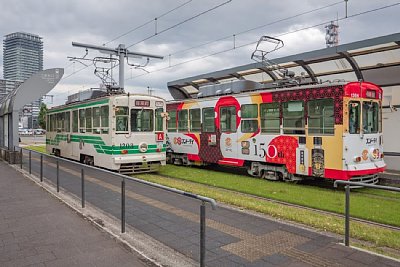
column 100, row 22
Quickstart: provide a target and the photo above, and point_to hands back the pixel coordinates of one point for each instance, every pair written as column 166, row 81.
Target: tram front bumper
column 141, row 158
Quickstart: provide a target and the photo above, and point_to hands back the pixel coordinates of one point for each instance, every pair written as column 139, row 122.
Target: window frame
column 299, row 118
column 124, row 117
column 172, row 121
column 357, row 130
column 185, row 127
column 318, row 130
column 75, row 121
column 192, row 121
column 265, row 119
column 245, row 119
column 151, row 124
column 230, row 119
column 206, row 123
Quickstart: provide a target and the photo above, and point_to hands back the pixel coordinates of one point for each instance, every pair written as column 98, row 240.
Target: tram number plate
column 126, row 145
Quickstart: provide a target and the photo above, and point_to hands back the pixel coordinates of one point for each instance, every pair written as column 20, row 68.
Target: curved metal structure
column 32, row 89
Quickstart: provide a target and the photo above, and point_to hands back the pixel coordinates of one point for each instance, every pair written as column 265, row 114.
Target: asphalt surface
column 38, row 230
column 233, row 238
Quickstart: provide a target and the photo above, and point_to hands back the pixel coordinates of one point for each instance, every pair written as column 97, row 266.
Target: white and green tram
column 120, row 132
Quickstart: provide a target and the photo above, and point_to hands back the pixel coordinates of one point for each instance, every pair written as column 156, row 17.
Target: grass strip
column 374, row 205
column 38, row 148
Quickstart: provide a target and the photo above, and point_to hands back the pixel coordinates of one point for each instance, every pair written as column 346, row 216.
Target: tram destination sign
column 142, row 103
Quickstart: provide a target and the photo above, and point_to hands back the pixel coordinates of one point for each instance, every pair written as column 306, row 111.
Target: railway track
column 353, row 219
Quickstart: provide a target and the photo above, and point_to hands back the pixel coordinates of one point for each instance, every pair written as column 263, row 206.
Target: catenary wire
column 254, row 42
column 148, row 22
column 257, row 27
column 180, row 23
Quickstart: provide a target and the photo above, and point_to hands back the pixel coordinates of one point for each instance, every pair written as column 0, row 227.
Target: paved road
column 38, row 230
column 233, row 238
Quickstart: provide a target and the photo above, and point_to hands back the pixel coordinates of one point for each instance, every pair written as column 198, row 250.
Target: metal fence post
column 347, row 215
column 21, row 156
column 202, row 234
column 83, row 187
column 41, row 167
column 30, row 162
column 58, row 176
column 123, row 205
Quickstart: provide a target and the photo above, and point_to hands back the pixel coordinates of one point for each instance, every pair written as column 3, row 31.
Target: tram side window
column 52, row 122
column 141, row 120
column 249, row 115
column 321, row 116
column 121, row 119
column 293, row 117
column 75, row 121
column 104, row 119
column 228, row 119
column 270, row 118
column 172, row 121
column 370, row 111
column 48, row 123
column 208, row 120
column 88, row 114
column 159, row 120
column 354, row 117
column 67, row 121
column 195, row 120
column 96, row 120
column 183, row 120
column 60, row 122
column 82, row 123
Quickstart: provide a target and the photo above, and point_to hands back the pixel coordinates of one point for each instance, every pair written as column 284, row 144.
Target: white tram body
column 120, row 132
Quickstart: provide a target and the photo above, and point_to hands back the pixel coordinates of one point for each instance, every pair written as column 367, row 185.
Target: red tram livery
column 331, row 130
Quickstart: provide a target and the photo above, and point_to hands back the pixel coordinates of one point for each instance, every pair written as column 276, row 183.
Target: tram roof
column 374, row 60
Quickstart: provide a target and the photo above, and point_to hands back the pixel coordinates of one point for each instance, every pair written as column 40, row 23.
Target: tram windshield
column 141, row 120
column 354, row 117
column 370, row 121
column 370, row 117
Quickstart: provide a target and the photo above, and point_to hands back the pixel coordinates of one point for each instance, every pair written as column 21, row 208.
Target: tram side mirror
column 165, row 115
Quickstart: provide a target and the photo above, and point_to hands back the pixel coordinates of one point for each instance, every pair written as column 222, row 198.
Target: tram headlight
column 357, row 159
column 143, row 147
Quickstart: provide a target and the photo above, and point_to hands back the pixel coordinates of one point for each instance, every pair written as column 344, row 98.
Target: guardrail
column 347, row 202
column 123, row 193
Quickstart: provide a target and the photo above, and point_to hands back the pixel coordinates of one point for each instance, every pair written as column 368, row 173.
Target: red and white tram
column 331, row 130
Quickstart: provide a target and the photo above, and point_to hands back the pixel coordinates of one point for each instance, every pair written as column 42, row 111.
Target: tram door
column 228, row 125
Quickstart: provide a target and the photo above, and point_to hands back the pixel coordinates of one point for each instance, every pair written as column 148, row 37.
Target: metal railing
column 348, row 184
column 123, row 193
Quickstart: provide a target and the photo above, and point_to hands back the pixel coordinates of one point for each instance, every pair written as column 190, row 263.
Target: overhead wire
column 148, row 22
column 180, row 23
column 256, row 28
column 254, row 42
column 130, row 31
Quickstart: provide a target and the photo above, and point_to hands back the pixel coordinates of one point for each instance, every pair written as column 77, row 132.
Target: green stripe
column 100, row 146
column 104, row 101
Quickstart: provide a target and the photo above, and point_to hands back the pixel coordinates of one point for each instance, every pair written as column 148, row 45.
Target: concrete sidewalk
column 36, row 229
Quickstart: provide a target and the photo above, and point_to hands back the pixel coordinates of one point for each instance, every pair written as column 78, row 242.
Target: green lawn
column 375, row 205
column 38, row 148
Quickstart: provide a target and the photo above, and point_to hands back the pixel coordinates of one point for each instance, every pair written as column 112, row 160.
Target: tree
column 42, row 116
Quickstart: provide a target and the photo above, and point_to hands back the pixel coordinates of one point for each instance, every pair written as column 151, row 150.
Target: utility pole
column 121, row 52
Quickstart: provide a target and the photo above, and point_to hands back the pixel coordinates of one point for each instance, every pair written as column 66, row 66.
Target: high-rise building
column 6, row 86
column 22, row 55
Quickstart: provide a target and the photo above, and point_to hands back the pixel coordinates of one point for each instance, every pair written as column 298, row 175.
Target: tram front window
column 141, row 120
column 354, row 117
column 370, row 111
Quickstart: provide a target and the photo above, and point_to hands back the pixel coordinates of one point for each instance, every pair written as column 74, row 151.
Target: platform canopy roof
column 375, row 60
